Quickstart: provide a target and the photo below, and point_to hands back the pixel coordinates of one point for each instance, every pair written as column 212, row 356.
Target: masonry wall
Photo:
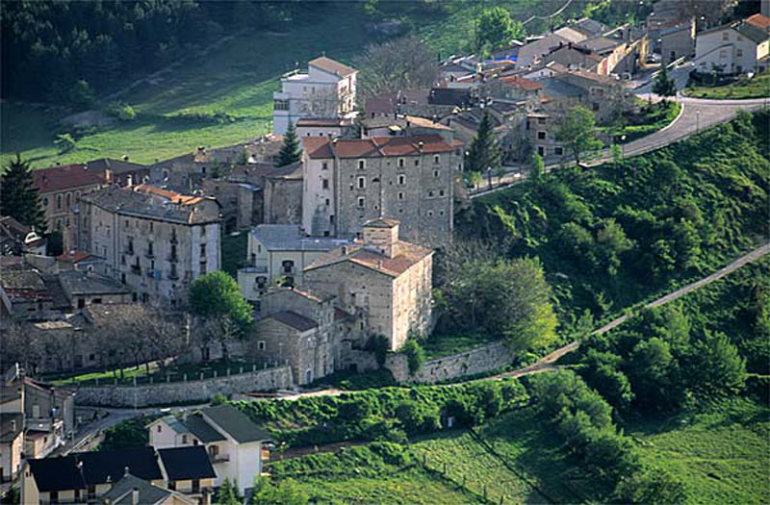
column 190, row 391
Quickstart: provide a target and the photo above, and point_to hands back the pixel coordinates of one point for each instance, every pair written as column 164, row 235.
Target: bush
column 121, row 111
column 415, row 355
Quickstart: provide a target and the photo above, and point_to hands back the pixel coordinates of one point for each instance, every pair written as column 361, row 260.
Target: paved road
column 547, row 363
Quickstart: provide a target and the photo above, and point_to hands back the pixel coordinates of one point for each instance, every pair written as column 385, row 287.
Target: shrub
column 415, row 354
column 121, row 111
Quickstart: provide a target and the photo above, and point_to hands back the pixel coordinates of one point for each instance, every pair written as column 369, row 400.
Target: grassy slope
column 237, row 78
column 758, row 87
column 722, row 457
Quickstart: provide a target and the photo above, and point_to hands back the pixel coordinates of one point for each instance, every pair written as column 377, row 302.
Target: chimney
column 125, row 471
column 129, row 180
column 135, row 496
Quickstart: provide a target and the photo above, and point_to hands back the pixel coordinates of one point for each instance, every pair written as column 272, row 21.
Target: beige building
column 349, row 182
column 11, row 444
column 740, row 47
column 155, row 241
column 280, row 253
column 385, row 282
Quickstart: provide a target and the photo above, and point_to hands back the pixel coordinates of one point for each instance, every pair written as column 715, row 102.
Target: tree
column 228, row 494
column 398, row 65
column 290, row 152
column 538, row 168
column 496, row 29
column 216, row 298
column 651, row 485
column 579, row 132
column 715, row 368
column 19, row 197
column 288, row 492
column 664, row 85
column 484, row 152
column 415, row 354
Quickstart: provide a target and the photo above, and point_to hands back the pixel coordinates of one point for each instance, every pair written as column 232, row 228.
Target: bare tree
column 398, row 65
column 322, row 103
column 20, row 345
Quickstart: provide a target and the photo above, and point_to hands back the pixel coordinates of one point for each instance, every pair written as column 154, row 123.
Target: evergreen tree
column 18, row 195
column 484, row 152
column 228, row 494
column 663, row 84
column 290, row 151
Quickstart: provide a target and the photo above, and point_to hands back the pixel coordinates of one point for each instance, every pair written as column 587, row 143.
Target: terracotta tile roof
column 172, row 196
column 331, row 66
column 383, row 222
column 409, row 255
column 375, row 147
column 74, row 256
column 66, row 177
column 521, row 82
column 759, row 21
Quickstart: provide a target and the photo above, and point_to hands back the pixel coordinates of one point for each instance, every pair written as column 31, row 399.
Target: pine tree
column 19, row 197
column 290, row 151
column 663, row 84
column 484, row 152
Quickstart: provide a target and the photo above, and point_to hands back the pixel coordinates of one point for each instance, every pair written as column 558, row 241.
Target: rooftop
column 289, row 237
column 521, row 82
column 375, row 147
column 407, row 256
column 152, row 202
column 116, row 166
column 338, row 122
column 332, row 66
column 235, row 423
column 293, row 320
column 76, row 282
column 63, row 177
column 382, row 222
column 759, row 21
column 186, row 463
column 11, row 424
column 122, row 492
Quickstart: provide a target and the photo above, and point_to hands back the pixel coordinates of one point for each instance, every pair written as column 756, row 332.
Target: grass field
column 722, row 457
column 236, row 78
column 758, row 87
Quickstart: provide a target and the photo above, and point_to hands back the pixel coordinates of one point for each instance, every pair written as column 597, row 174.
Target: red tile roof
column 521, row 82
column 331, row 66
column 66, row 177
column 759, row 21
column 172, row 196
column 375, row 147
column 408, row 255
column 73, row 257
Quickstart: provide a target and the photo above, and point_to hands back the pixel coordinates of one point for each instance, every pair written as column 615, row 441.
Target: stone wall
column 189, row 391
column 478, row 360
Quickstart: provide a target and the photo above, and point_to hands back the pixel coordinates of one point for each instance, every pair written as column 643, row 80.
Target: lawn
column 722, row 456
column 757, row 87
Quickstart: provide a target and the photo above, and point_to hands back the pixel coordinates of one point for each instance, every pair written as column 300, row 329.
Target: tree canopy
column 290, row 151
column 216, row 295
column 578, row 132
column 19, row 197
column 496, row 29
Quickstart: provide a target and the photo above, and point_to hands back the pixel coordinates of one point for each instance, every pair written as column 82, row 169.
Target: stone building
column 155, row 241
column 384, row 282
column 349, row 182
column 282, row 195
column 280, row 253
column 327, row 90
column 677, row 40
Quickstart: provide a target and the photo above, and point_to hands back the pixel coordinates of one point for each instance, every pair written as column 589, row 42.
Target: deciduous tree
column 579, row 132
column 496, row 29
column 403, row 64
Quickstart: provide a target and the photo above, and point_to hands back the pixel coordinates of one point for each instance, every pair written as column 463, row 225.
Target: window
column 184, row 439
column 327, row 202
column 417, row 162
column 400, row 196
column 541, row 120
column 722, row 53
column 401, row 163
column 430, row 194
column 172, row 485
column 436, row 159
column 361, row 202
column 91, row 492
column 540, row 150
column 558, row 151
column 126, row 226
column 436, row 173
column 541, row 135
column 281, row 104
column 739, row 53
column 595, row 106
column 725, row 36
column 331, row 219
column 45, row 202
column 361, row 164
column 58, row 201
column 325, row 166
column 54, row 496
column 261, row 345
column 325, row 183
column 69, row 199
column 196, row 486
column 430, row 213
column 159, row 428
column 361, row 182
column 441, row 192
column 402, row 179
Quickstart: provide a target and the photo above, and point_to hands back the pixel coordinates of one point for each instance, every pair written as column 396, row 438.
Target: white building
column 232, row 441
column 327, row 90
column 741, row 46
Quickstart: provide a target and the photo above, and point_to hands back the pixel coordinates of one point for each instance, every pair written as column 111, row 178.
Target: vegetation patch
column 756, row 87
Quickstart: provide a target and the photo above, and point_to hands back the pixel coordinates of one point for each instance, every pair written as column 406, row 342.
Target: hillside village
column 343, row 220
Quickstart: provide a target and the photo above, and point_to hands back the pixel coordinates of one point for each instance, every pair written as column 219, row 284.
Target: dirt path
column 546, row 363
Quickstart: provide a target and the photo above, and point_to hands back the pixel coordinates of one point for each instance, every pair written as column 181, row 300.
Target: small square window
column 401, row 162
column 325, row 183
column 436, row 159
column 417, row 163
column 361, row 202
column 436, row 173
column 541, row 135
column 401, row 196
column 324, row 166
column 361, row 182
column 361, row 164
column 261, row 345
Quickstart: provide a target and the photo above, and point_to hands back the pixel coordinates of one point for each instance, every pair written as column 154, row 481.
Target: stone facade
column 282, row 196
column 189, row 391
column 478, row 360
column 155, row 241
column 349, row 182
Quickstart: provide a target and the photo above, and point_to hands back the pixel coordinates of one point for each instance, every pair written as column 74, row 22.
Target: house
column 231, row 440
column 11, row 444
column 86, row 288
column 279, row 252
column 60, row 188
column 323, row 127
column 677, row 40
column 132, row 490
column 533, row 51
column 403, row 125
column 574, row 56
column 80, row 261
column 153, row 240
column 739, row 47
column 327, row 90
column 17, row 239
column 351, row 181
column 282, row 195
column 386, row 280
column 88, row 476
column 301, row 328
column 121, row 172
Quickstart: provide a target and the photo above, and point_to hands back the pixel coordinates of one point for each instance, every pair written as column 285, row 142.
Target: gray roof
column 11, row 424
column 294, row 320
column 145, row 204
column 289, row 237
column 235, row 423
column 121, row 492
column 600, row 44
column 557, row 88
column 76, row 282
column 751, row 32
column 201, row 429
